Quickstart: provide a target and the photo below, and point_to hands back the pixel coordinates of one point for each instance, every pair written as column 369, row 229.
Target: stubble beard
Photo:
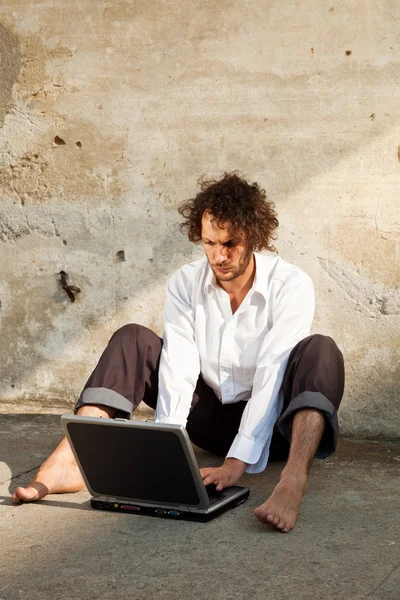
column 243, row 264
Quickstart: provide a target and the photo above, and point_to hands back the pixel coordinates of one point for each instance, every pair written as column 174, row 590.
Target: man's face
column 225, row 248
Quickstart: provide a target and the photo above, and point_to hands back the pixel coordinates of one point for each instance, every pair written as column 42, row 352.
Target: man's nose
column 221, row 254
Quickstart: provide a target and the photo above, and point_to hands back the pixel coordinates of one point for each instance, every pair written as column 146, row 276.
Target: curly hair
column 232, row 200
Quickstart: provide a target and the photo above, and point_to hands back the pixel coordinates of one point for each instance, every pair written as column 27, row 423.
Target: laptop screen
column 126, row 462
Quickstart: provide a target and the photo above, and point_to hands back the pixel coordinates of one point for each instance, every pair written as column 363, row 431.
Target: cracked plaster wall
column 109, row 113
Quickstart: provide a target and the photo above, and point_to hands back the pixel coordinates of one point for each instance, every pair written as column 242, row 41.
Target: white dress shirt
column 241, row 356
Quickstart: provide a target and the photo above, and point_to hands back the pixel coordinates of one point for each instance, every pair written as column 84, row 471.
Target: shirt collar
column 260, row 283
column 210, row 281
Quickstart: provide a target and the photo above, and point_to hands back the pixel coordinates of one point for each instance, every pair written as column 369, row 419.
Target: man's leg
column 283, row 506
column 126, row 373
column 313, row 388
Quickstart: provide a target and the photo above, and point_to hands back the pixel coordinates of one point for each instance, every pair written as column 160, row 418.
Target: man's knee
column 319, row 339
column 96, row 410
column 320, row 343
column 133, row 331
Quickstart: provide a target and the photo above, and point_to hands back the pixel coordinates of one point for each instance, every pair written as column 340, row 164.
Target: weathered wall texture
column 109, row 113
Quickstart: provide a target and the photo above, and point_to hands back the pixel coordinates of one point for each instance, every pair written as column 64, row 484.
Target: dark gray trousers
column 127, row 373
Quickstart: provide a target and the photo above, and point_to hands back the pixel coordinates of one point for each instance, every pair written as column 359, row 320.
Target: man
column 236, row 365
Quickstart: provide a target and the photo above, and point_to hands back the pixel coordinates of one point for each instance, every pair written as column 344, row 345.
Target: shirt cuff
column 174, row 420
column 246, row 449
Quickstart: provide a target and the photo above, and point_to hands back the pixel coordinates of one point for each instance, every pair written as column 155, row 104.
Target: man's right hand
column 224, row 476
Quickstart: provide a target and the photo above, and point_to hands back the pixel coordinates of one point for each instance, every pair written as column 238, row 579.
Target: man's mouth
column 222, row 269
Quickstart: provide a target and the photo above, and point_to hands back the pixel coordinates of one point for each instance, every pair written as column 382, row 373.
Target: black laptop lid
column 142, row 464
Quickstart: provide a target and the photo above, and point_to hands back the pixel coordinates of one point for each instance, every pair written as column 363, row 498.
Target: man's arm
column 179, row 363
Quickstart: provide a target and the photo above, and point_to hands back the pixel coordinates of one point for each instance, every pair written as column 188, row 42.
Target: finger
column 206, row 471
column 211, row 478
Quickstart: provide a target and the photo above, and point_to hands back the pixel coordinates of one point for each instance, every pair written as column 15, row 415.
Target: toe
column 15, row 498
column 260, row 513
column 32, row 492
column 26, row 494
column 276, row 521
column 270, row 518
column 281, row 524
column 288, row 527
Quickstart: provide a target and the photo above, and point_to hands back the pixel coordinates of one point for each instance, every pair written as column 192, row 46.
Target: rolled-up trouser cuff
column 105, row 397
column 327, row 445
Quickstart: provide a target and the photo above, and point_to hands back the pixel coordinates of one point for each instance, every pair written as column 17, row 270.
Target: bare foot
column 58, row 474
column 283, row 506
column 53, row 479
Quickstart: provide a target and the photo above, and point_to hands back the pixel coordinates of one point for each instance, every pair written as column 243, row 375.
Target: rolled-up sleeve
column 291, row 322
column 179, row 363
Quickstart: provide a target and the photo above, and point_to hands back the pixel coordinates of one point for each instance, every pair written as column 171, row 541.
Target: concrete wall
column 109, row 113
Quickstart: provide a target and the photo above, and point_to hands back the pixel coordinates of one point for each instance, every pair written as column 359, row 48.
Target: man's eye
column 210, row 243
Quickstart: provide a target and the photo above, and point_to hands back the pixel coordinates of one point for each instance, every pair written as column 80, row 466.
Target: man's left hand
column 226, row 475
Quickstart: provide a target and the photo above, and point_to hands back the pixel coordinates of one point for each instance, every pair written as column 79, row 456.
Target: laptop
column 144, row 468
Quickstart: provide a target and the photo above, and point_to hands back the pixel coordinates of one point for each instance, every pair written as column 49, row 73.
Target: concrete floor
column 346, row 544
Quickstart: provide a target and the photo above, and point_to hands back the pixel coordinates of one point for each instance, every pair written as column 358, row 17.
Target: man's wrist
column 236, row 464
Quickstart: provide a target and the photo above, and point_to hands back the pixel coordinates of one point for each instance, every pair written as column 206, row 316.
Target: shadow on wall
column 10, row 67
column 381, row 387
column 30, row 303
column 36, row 309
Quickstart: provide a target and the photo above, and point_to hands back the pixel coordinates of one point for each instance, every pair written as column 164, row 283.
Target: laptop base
column 165, row 513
